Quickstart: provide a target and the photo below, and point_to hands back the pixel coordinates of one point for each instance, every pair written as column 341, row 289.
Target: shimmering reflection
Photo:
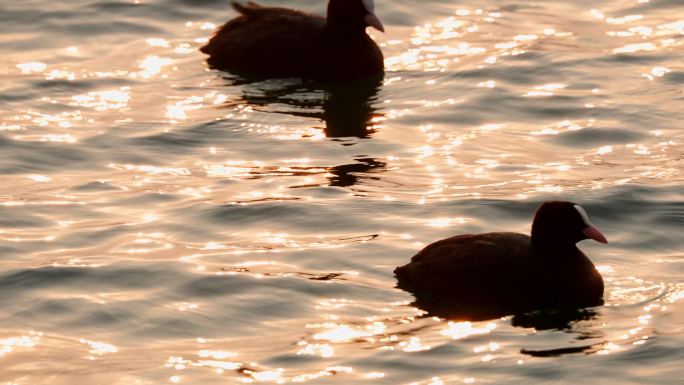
column 633, row 289
column 341, row 333
column 656, row 33
column 103, row 100
column 458, row 330
column 436, row 46
column 177, row 111
column 151, row 66
column 13, row 344
column 221, row 361
column 445, row 44
column 100, row 348
column 235, row 230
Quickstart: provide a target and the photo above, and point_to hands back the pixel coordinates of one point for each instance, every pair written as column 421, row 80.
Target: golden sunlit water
column 163, row 223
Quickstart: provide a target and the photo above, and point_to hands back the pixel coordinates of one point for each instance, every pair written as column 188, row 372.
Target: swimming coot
column 280, row 42
column 512, row 272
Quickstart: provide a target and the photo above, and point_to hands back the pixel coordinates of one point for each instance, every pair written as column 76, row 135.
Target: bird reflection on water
column 346, row 109
column 345, row 175
column 554, row 318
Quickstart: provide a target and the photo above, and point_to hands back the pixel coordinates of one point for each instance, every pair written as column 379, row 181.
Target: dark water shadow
column 586, row 349
column 562, row 317
column 344, row 175
column 348, row 174
column 555, row 319
column 347, row 109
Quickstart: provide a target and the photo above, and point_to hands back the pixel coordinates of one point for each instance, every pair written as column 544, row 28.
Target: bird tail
column 245, row 9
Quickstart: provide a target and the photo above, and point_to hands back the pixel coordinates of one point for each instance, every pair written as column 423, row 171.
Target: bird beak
column 592, row 233
column 374, row 22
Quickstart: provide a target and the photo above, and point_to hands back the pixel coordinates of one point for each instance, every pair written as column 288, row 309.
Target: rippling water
column 165, row 223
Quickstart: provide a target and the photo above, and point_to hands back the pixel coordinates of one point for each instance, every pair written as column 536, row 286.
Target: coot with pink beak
column 511, row 272
column 275, row 42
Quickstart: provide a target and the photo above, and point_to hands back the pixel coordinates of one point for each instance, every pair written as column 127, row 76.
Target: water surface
column 161, row 222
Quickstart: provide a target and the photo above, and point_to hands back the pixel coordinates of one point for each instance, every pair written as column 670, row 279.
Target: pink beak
column 592, row 233
column 374, row 22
